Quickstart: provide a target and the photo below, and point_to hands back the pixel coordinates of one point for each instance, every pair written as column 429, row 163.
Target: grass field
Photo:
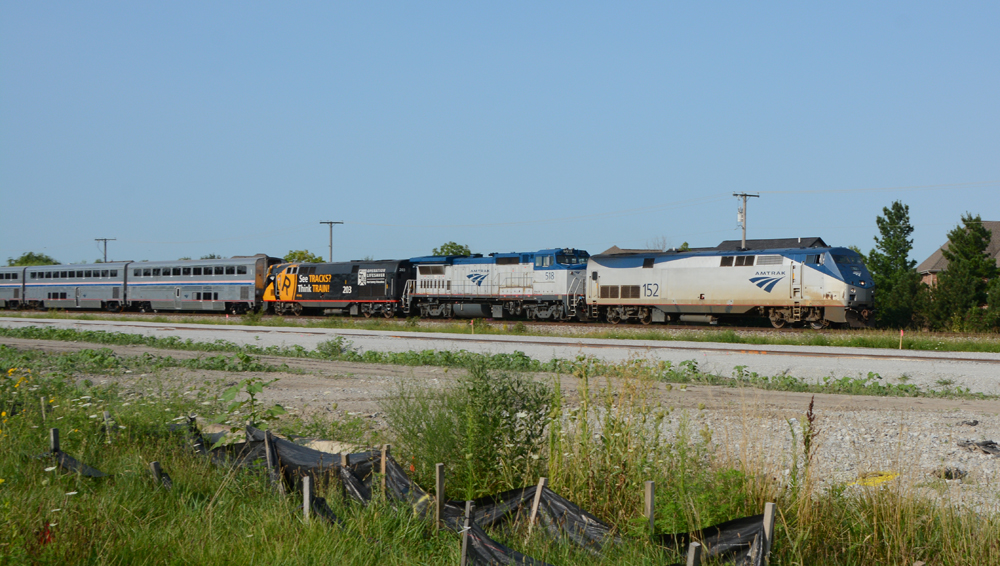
column 495, row 429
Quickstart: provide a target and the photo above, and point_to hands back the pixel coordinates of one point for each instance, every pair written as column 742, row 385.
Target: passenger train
column 788, row 282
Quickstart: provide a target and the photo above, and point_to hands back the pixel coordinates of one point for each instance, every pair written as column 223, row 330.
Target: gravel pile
column 924, row 449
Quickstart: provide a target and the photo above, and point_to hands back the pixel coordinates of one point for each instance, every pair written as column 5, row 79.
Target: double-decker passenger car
column 547, row 284
column 11, row 286
column 813, row 284
column 235, row 285
column 364, row 288
column 87, row 286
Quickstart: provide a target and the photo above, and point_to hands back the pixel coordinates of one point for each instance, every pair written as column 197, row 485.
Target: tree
column 451, row 248
column 897, row 283
column 31, row 258
column 211, row 256
column 684, row 247
column 302, row 256
column 962, row 287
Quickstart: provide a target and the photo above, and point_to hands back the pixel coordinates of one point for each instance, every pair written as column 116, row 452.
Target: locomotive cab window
column 648, row 262
column 727, row 261
column 742, row 260
column 543, row 261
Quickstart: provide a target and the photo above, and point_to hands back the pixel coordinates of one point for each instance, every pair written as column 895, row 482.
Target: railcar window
column 33, row 275
column 79, row 273
column 72, row 274
column 846, row 259
column 16, row 275
column 104, row 273
column 186, row 271
column 242, row 270
column 156, row 272
column 62, row 274
column 146, row 272
column 48, row 275
column 543, row 261
column 196, row 270
column 230, row 270
column 219, row 270
column 114, row 273
column 136, row 272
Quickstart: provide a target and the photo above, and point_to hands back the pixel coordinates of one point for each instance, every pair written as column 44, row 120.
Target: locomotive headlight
column 853, row 290
column 862, row 283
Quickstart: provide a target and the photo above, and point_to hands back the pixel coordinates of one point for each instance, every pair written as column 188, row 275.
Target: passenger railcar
column 815, row 286
column 89, row 286
column 233, row 285
column 366, row 288
column 547, row 284
column 11, row 287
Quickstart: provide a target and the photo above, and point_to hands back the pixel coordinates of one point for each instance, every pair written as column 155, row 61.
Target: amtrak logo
column 766, row 283
column 477, row 278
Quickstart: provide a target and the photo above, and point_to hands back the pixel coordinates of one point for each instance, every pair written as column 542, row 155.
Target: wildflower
column 2, row 480
column 56, row 510
column 3, row 413
column 50, row 468
column 72, row 493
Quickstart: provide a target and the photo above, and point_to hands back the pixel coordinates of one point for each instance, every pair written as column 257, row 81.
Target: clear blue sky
column 189, row 128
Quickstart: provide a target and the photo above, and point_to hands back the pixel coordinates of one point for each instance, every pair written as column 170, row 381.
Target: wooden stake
column 54, row 440
column 307, row 497
column 649, row 509
column 107, row 425
column 385, row 457
column 44, row 404
column 768, row 530
column 465, row 533
column 156, row 469
column 694, row 554
column 273, row 468
column 439, row 493
column 536, row 502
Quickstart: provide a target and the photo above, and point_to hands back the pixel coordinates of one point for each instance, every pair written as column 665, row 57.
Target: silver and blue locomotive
column 815, row 285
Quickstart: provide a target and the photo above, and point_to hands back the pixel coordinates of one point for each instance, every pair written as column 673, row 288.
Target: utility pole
column 742, row 216
column 331, row 223
column 105, row 240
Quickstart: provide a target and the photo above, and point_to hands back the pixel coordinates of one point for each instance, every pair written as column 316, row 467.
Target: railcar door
column 77, row 297
column 795, row 273
column 177, row 297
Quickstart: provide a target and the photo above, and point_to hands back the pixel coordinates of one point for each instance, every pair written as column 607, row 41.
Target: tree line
column 966, row 296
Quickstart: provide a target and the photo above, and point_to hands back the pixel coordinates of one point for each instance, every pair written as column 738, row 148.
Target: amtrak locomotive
column 788, row 282
column 817, row 286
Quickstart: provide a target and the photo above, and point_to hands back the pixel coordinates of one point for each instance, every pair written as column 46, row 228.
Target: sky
column 191, row 128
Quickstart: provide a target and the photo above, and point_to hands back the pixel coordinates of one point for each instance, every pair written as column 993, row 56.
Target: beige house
column 937, row 263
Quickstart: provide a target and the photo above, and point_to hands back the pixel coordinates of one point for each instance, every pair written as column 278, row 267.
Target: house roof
column 937, row 262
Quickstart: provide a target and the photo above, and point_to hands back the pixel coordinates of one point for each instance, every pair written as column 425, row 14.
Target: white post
column 769, row 509
column 307, row 497
column 649, row 492
column 694, row 554
column 465, row 533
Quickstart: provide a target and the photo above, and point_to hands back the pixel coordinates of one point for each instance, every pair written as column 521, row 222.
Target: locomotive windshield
column 845, row 259
column 575, row 258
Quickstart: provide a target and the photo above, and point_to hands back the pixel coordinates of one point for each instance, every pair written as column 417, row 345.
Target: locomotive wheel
column 296, row 309
column 645, row 316
column 613, row 316
column 367, row 313
column 387, row 312
column 778, row 322
column 819, row 324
